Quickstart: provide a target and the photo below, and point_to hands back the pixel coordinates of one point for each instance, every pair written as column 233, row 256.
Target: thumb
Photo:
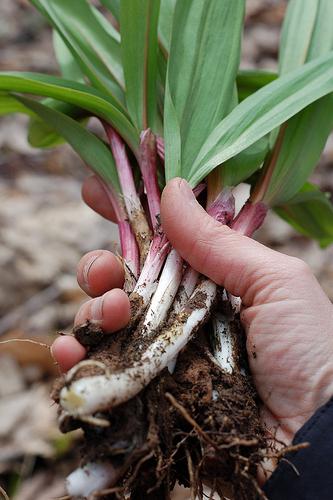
column 243, row 266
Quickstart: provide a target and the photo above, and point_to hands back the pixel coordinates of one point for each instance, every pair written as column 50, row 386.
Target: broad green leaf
column 306, row 133
column 306, row 33
column 322, row 36
column 41, row 135
column 8, row 105
column 113, row 6
column 242, row 166
column 84, row 32
column 91, row 149
column 74, row 93
column 311, row 213
column 172, row 140
column 304, row 140
column 262, row 112
column 203, row 62
column 167, row 9
column 249, row 81
column 67, row 63
column 296, row 33
column 139, row 44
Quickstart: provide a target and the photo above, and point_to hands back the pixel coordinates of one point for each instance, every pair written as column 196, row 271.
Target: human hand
column 287, row 317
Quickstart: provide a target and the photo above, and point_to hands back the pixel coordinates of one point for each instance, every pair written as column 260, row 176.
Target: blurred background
column 44, row 230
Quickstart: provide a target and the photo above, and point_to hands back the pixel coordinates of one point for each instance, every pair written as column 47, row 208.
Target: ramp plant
column 163, row 78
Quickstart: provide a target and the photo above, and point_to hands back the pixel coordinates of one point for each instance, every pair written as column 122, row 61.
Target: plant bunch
column 163, row 77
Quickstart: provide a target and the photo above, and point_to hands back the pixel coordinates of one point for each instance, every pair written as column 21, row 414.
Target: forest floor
column 44, row 230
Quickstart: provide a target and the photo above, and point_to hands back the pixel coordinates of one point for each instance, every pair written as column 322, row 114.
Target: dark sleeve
column 310, row 477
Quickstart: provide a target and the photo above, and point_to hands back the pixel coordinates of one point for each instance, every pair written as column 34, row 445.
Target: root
column 29, row 341
column 97, row 422
column 200, row 425
column 189, row 419
column 4, row 494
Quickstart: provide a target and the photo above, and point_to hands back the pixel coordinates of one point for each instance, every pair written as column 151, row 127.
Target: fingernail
column 96, row 311
column 86, row 269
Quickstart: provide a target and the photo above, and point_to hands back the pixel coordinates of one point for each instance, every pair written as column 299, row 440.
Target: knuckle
column 299, row 267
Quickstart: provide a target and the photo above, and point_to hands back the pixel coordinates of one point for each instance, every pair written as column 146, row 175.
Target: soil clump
column 199, row 425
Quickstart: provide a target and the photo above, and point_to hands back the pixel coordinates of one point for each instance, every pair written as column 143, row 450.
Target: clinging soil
column 196, row 426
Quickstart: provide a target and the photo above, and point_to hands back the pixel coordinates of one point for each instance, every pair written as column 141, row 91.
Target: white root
column 88, row 395
column 185, row 290
column 165, row 292
column 223, row 344
column 236, row 303
column 90, row 478
column 147, row 281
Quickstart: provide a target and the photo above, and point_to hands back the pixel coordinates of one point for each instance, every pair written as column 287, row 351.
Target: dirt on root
column 197, row 426
column 119, row 351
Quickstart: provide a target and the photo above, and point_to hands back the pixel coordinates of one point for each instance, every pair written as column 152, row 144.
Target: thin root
column 86, row 362
column 4, row 494
column 98, row 422
column 190, row 420
column 30, row 341
column 289, row 449
column 191, row 474
column 294, row 468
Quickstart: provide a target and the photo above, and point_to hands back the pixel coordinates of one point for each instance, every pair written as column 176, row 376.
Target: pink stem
column 128, row 244
column 129, row 247
column 124, row 169
column 147, row 282
column 250, row 218
column 223, row 207
column 148, row 167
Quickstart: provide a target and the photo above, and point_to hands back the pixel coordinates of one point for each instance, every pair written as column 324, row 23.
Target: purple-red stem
column 128, row 244
column 222, row 208
column 129, row 247
column 158, row 251
column 148, row 167
column 124, row 168
column 250, row 218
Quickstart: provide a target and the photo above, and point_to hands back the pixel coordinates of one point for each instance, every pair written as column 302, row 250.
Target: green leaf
column 91, row 149
column 296, row 33
column 74, row 93
column 311, row 213
column 167, row 9
column 306, row 133
column 322, row 36
column 249, row 81
column 68, row 65
column 172, row 138
column 9, row 105
column 262, row 112
column 113, row 6
column 41, row 135
column 242, row 166
column 304, row 140
column 138, row 28
column 306, row 33
column 91, row 39
column 202, row 67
